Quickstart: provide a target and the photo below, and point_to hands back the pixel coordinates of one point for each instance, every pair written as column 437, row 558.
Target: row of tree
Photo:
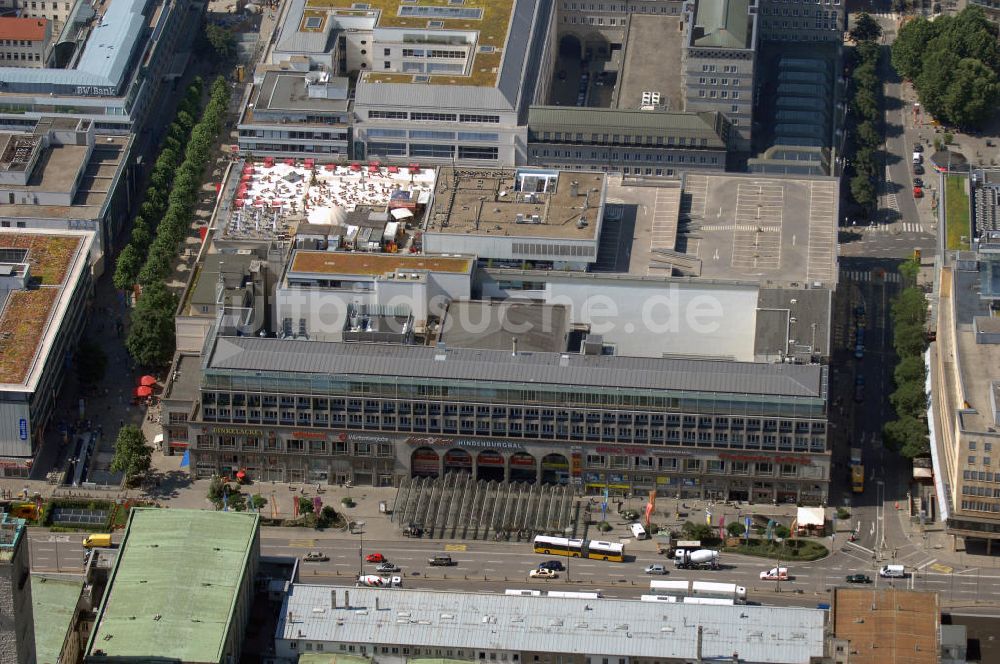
column 953, row 62
column 148, row 259
column 908, row 432
column 866, row 107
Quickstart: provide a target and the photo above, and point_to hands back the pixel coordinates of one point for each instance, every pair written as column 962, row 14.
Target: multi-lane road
column 494, row 567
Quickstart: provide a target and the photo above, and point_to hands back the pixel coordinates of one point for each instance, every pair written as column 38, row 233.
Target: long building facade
column 324, row 412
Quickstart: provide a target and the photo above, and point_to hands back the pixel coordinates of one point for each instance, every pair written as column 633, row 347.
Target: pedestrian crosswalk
column 893, row 229
column 871, row 275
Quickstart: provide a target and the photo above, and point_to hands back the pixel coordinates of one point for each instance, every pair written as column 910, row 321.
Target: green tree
column 141, row 237
column 127, row 268
column 781, row 531
column 909, row 340
column 327, row 517
column 132, row 456
column 91, row 363
column 868, row 134
column 735, row 529
column 862, row 191
column 909, row 399
column 865, row 28
column 910, row 370
column 909, row 271
column 237, row 501
column 698, row 531
column 150, row 340
column 910, row 46
column 215, row 490
column 971, row 95
column 908, row 435
column 305, row 505
column 258, row 502
column 910, row 307
column 222, row 40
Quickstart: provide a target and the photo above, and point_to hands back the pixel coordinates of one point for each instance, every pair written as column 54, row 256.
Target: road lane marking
column 943, row 569
column 301, row 543
column 929, row 562
column 456, row 547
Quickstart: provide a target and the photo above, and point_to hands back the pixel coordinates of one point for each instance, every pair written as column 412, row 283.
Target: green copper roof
column 53, row 603
column 175, row 584
column 723, row 23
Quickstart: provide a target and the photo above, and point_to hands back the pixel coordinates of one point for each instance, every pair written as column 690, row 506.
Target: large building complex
column 180, row 590
column 25, row 42
column 45, row 286
column 413, row 626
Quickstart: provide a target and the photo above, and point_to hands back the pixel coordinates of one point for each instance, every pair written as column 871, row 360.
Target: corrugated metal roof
column 565, row 118
column 341, row 358
column 608, row 627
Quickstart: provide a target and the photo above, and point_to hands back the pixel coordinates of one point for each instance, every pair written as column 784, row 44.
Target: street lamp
column 360, row 525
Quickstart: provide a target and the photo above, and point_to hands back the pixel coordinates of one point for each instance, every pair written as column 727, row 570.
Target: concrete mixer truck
column 700, row 559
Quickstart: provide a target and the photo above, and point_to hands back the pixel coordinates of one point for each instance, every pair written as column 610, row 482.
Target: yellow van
column 97, row 540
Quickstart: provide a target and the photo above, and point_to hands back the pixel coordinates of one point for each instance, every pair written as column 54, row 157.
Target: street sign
column 23, row 429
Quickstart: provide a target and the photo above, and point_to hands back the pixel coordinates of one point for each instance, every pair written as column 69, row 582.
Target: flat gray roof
column 656, row 69
column 778, row 231
column 599, row 371
column 563, row 625
column 186, row 379
column 793, row 321
column 286, row 91
column 473, row 202
column 491, row 325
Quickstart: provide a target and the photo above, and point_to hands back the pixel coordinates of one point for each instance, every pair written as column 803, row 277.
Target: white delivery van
column 893, row 572
column 638, row 531
column 918, row 158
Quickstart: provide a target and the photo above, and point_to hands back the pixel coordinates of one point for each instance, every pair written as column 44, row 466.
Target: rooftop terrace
column 27, row 317
column 174, row 587
column 523, row 203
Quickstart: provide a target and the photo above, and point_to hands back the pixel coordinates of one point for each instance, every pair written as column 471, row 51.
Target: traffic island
column 790, row 549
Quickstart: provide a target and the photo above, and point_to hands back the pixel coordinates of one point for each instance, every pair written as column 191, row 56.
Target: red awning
column 149, row 381
column 143, row 391
column 393, row 169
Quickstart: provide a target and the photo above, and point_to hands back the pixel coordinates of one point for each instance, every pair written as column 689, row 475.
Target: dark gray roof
column 570, row 119
column 602, row 371
column 494, row 325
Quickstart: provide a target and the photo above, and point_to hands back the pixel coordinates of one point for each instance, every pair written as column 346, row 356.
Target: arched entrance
column 555, row 469
column 424, row 462
column 522, row 468
column 457, row 461
column 489, row 466
column 570, row 46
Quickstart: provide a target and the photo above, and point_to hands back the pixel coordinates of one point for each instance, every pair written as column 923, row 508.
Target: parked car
column 542, row 574
column 918, row 182
column 315, row 557
column 656, row 568
column 374, row 558
column 386, row 567
column 918, row 147
column 554, row 565
column 918, row 192
column 858, row 578
column 918, row 169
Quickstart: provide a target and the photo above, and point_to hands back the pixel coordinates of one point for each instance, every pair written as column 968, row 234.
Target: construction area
column 458, row 506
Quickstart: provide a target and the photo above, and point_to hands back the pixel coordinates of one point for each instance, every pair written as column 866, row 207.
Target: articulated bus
column 578, row 548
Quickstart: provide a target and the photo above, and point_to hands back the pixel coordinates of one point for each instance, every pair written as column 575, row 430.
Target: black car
column 918, row 169
column 917, row 147
column 858, row 578
column 554, row 565
column 918, row 182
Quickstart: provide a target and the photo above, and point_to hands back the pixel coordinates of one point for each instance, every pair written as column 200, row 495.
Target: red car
column 918, row 192
column 375, row 558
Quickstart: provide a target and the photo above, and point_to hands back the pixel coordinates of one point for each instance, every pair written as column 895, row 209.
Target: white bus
column 638, row 531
